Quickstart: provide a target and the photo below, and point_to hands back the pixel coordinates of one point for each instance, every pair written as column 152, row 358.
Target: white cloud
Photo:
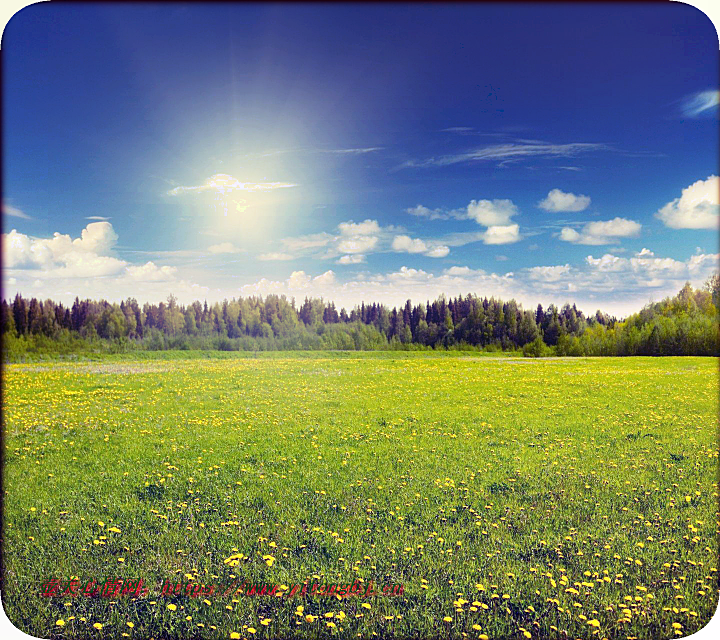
column 422, row 211
column 150, row 272
column 298, row 280
column 549, row 274
column 696, row 208
column 275, row 256
column 645, row 252
column 502, row 234
column 104, row 218
column 352, row 152
column 356, row 258
column 357, row 244
column 513, row 151
column 90, row 251
column 601, row 232
column 367, row 227
column 223, row 183
column 569, row 235
column 307, row 242
column 646, row 268
column 406, row 244
column 9, row 210
column 224, row 247
column 558, row 201
column 700, row 102
column 608, row 262
column 491, row 212
column 438, row 252
column 327, row 278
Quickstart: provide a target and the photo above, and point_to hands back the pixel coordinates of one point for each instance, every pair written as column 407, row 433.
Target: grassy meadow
column 511, row 498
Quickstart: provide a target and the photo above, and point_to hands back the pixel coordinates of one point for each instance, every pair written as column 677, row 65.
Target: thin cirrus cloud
column 601, row 232
column 512, row 151
column 696, row 208
column 700, row 103
column 9, row 210
column 223, row 183
column 224, row 247
column 558, row 201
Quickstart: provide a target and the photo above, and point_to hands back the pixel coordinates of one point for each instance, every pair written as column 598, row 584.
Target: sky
column 547, row 153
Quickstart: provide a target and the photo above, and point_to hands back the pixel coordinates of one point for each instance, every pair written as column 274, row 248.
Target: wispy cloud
column 512, row 151
column 100, row 218
column 700, row 103
column 223, row 183
column 224, row 247
column 353, row 152
column 9, row 210
column 277, row 255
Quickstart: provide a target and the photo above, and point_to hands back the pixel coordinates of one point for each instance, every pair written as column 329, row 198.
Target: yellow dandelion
column 172, row 607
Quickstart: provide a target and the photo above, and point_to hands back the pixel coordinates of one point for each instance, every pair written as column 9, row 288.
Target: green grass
column 573, row 497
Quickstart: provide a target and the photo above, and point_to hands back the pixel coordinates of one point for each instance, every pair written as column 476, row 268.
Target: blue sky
column 549, row 153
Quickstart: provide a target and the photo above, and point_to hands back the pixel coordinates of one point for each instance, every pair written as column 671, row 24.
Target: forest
column 685, row 324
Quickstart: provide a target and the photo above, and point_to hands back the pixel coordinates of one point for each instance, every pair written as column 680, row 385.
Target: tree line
column 686, row 324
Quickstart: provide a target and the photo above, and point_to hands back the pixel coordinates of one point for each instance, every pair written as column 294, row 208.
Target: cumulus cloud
column 367, row 227
column 502, row 234
column 356, row 258
column 491, row 212
column 406, row 244
column 696, row 208
column 651, row 268
column 61, row 266
column 549, row 274
column 90, row 251
column 224, row 247
column 357, row 244
column 559, row 201
column 150, row 272
column 601, row 232
column 223, row 183
column 439, row 251
column 495, row 214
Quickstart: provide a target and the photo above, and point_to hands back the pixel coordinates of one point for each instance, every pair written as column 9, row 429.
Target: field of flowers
column 509, row 498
